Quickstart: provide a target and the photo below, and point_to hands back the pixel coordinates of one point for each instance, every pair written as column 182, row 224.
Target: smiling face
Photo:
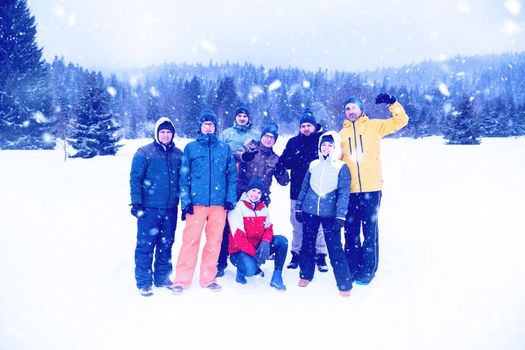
column 254, row 195
column 268, row 140
column 242, row 119
column 307, row 129
column 165, row 136
column 326, row 148
column 352, row 112
column 207, row 127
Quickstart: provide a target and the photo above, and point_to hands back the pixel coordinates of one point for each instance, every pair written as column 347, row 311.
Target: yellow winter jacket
column 361, row 144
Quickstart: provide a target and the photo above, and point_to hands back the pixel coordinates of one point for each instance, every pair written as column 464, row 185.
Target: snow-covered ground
column 451, row 274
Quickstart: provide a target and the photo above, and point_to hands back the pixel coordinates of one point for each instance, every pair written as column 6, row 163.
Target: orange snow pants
column 214, row 218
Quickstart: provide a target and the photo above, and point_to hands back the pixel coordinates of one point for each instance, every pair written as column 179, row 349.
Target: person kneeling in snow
column 251, row 236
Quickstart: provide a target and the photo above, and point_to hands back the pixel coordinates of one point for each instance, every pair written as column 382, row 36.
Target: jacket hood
column 337, row 152
column 347, row 123
column 156, row 131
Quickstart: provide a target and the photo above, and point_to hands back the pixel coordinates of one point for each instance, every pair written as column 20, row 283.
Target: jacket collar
column 362, row 119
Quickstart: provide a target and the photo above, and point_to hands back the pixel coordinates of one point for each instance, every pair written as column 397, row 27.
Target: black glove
column 229, row 206
column 385, row 98
column 248, row 155
column 263, row 252
column 299, row 216
column 137, row 210
column 185, row 211
column 339, row 224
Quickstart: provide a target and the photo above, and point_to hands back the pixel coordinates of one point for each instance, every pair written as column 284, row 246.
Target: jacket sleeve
column 287, row 157
column 185, row 178
column 304, row 188
column 236, row 222
column 281, row 174
column 249, row 147
column 268, row 229
column 343, row 192
column 136, row 176
column 397, row 121
column 231, row 178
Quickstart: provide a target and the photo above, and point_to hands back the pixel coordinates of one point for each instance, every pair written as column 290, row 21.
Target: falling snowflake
column 274, row 85
column 443, row 88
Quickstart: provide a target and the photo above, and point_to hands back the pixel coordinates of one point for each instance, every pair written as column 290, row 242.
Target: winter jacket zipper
column 209, row 171
column 320, row 189
column 167, row 156
column 357, row 158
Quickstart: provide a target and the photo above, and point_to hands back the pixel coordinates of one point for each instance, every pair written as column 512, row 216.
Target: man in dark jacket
column 297, row 155
column 154, row 184
column 257, row 159
column 207, row 184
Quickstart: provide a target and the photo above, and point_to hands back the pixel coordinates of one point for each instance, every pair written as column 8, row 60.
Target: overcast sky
column 338, row 35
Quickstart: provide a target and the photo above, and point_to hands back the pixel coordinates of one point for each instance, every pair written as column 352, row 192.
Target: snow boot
column 146, row 291
column 214, row 287
column 240, row 278
column 321, row 262
column 277, row 281
column 294, row 263
column 303, row 282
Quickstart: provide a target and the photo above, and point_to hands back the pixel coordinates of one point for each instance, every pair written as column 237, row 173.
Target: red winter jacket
column 248, row 226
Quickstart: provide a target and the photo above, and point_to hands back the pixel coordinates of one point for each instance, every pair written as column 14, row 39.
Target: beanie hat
column 308, row 117
column 327, row 138
column 355, row 100
column 271, row 128
column 256, row 182
column 167, row 125
column 242, row 108
column 207, row 115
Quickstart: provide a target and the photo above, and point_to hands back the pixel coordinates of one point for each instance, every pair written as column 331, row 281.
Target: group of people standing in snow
column 223, row 184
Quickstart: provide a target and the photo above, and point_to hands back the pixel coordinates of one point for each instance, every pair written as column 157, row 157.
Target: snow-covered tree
column 462, row 126
column 25, row 105
column 95, row 131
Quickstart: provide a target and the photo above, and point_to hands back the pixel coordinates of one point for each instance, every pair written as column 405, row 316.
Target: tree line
column 461, row 99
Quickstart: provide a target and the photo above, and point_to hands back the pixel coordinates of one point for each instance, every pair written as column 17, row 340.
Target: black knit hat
column 242, row 108
column 355, row 100
column 308, row 117
column 207, row 115
column 166, row 126
column 256, row 182
column 271, row 128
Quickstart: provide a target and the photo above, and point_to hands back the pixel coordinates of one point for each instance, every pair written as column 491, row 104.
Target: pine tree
column 462, row 126
column 95, row 130
column 225, row 102
column 25, row 104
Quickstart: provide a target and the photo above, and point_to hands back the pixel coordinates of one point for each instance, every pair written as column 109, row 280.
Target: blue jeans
column 155, row 235
column 363, row 257
column 336, row 254
column 247, row 265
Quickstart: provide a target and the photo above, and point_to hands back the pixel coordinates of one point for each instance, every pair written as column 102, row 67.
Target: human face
column 254, row 195
column 242, row 119
column 352, row 112
column 268, row 140
column 207, row 127
column 165, row 136
column 326, row 148
column 307, row 129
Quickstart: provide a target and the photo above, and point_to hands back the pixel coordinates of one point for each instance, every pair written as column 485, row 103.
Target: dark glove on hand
column 299, row 216
column 339, row 224
column 137, row 210
column 185, row 211
column 248, row 155
column 385, row 98
column 229, row 206
column 263, row 252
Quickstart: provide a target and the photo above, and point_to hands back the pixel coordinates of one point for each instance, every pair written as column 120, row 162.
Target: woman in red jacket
column 251, row 237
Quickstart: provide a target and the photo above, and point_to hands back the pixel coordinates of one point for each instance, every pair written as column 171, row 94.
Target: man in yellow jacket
column 361, row 143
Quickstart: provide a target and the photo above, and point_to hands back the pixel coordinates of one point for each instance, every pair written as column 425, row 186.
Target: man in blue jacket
column 154, row 184
column 207, row 185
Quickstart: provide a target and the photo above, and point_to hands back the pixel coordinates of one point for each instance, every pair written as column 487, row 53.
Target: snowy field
column 451, row 272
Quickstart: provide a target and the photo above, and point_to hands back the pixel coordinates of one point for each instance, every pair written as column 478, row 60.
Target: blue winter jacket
column 154, row 176
column 237, row 135
column 325, row 190
column 208, row 173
